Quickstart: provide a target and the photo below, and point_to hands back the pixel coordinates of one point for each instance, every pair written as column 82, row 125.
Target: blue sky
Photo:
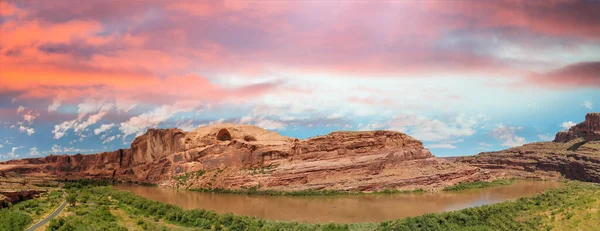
column 462, row 76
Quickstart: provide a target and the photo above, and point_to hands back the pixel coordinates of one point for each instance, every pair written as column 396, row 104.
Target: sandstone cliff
column 589, row 130
column 235, row 156
column 574, row 154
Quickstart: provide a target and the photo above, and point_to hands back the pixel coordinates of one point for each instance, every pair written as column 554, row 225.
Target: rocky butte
column 233, row 156
column 574, row 154
column 589, row 130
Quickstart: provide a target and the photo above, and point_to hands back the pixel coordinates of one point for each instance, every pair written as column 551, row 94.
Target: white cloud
column 545, row 137
column 92, row 119
column 145, row 120
column 245, row 120
column 567, row 125
column 29, row 117
column 12, row 154
column 28, row 130
column 484, row 144
column 124, row 105
column 588, row 104
column 449, row 146
column 103, row 128
column 89, row 106
column 34, row 152
column 219, row 121
column 57, row 149
column 1, row 145
column 186, row 125
column 61, row 129
column 336, row 115
column 508, row 136
column 371, row 126
column 56, row 102
column 270, row 124
column 110, row 139
column 427, row 129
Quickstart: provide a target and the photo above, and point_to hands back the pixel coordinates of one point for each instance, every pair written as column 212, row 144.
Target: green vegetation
column 152, row 215
column 568, row 207
column 479, row 184
column 396, row 191
column 308, row 192
column 532, row 213
column 72, row 199
column 20, row 215
column 572, row 207
column 183, row 178
column 87, row 218
column 86, row 183
column 13, row 220
column 261, row 170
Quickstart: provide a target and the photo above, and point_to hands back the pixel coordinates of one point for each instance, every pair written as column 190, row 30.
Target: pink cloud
column 160, row 52
column 576, row 75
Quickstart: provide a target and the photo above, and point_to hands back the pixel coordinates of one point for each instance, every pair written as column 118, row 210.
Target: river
column 340, row 209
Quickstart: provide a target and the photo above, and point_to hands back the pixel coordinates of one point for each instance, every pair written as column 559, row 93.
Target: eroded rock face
column 235, row 156
column 156, row 144
column 12, row 197
column 574, row 154
column 589, row 130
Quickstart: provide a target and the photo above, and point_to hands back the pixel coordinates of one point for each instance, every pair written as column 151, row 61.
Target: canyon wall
column 574, row 154
column 240, row 156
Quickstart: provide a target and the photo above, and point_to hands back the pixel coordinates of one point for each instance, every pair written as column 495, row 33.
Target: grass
column 479, row 185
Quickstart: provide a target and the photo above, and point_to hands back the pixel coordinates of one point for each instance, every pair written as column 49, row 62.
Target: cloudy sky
column 462, row 76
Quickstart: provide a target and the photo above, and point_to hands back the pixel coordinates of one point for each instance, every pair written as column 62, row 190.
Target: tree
column 72, row 199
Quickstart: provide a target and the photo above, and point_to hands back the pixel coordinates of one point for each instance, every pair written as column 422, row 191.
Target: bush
column 13, row 220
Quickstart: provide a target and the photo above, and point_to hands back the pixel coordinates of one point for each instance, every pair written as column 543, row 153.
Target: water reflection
column 341, row 209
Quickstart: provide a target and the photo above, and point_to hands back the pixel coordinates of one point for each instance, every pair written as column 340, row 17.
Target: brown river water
column 340, row 209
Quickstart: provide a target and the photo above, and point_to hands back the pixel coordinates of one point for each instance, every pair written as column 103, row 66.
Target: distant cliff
column 589, row 130
column 235, row 156
column 574, row 154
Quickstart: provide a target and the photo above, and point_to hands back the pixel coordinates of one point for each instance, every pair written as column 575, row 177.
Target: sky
column 462, row 76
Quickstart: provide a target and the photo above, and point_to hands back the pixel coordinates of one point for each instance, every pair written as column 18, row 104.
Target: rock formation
column 8, row 198
column 589, row 130
column 236, row 156
column 574, row 154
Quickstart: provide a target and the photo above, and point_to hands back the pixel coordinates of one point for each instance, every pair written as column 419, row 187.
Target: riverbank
column 569, row 206
column 351, row 208
column 309, row 192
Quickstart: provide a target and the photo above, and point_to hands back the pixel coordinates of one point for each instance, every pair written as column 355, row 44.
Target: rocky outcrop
column 237, row 156
column 156, row 144
column 574, row 154
column 12, row 197
column 589, row 130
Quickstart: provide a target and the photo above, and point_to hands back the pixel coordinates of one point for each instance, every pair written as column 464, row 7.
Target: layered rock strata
column 574, row 154
column 240, row 156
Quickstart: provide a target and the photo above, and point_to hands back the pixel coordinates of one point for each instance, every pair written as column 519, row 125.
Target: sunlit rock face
column 236, row 156
column 589, row 130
